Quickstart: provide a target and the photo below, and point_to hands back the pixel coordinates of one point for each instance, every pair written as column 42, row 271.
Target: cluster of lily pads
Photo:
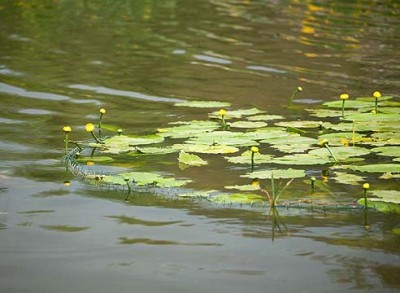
column 352, row 140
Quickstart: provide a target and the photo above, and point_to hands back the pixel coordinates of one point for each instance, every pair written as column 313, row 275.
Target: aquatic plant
column 89, row 127
column 325, row 143
column 377, row 95
column 222, row 114
column 67, row 130
column 254, row 150
column 102, row 112
column 294, row 94
column 343, row 97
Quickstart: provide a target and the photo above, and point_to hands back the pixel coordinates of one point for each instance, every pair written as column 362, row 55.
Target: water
column 61, row 61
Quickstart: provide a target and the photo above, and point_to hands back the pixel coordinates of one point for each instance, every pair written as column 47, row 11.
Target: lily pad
column 341, row 153
column 349, row 104
column 300, row 124
column 122, row 143
column 268, row 133
column 197, row 194
column 191, row 159
column 277, row 174
column 203, row 104
column 390, row 151
column 222, row 138
column 245, row 158
column 392, row 196
column 346, row 178
column 188, row 128
column 292, row 148
column 153, row 151
column 247, row 124
column 243, row 198
column 344, row 138
column 372, row 168
column 237, row 113
column 324, row 113
column 291, row 139
column 301, row 159
column 373, row 117
column 248, row 187
column 206, row 149
column 384, row 207
column 265, row 117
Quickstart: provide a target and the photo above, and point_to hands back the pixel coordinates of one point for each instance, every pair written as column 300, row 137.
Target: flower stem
column 95, row 138
column 331, row 152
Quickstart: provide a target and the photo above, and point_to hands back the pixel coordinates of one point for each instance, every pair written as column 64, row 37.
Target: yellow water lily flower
column 366, row 185
column 323, row 142
column 67, row 129
column 299, row 88
column 222, row 112
column 89, row 127
column 344, row 96
column 377, row 94
column 103, row 111
column 254, row 149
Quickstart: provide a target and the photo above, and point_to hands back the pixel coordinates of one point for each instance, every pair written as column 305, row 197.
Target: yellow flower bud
column 344, row 96
column 254, row 149
column 67, row 129
column 103, row 111
column 323, row 142
column 366, row 185
column 377, row 94
column 299, row 89
column 89, row 127
column 222, row 112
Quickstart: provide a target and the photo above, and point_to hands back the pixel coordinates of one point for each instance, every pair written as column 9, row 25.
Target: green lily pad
column 277, row 174
column 373, row 117
column 139, row 179
column 392, row 196
column 248, row 187
column 324, row 113
column 197, row 194
column 265, row 117
column 350, row 179
column 95, row 159
column 384, row 207
column 390, row 151
column 190, row 159
column 206, row 149
column 268, row 133
column 153, row 151
column 387, row 137
column 247, row 124
column 292, row 148
column 344, row 138
column 372, row 99
column 236, row 113
column 291, row 139
column 122, row 143
column 188, row 128
column 349, row 104
column 372, row 168
column 222, row 138
column 300, row 124
column 302, row 159
column 243, row 198
column 245, row 158
column 341, row 153
column 203, row 104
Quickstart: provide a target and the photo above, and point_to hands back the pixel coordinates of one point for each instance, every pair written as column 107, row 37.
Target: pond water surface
column 61, row 61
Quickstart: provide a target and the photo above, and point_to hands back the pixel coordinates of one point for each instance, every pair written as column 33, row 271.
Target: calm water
column 60, row 61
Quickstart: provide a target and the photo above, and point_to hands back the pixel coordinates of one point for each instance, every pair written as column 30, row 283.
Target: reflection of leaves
column 64, row 228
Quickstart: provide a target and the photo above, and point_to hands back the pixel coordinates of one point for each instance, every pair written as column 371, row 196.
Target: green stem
column 252, row 161
column 365, row 199
column 101, row 117
column 330, row 150
column 293, row 96
column 343, row 108
column 95, row 138
column 66, row 143
column 376, row 106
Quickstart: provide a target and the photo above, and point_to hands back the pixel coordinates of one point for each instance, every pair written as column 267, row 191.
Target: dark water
column 60, row 61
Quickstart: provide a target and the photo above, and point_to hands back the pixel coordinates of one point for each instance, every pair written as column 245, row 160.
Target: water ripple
column 17, row 91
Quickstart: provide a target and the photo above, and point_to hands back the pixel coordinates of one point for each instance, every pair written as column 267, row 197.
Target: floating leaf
column 392, row 196
column 349, row 104
column 122, row 143
column 291, row 139
column 244, row 198
column 300, row 124
column 188, row 129
column 372, row 168
column 268, row 133
column 292, row 148
column 197, row 194
column 373, row 117
column 190, row 159
column 265, row 117
column 247, row 124
column 346, row 178
column 206, row 149
column 203, row 104
column 245, row 158
column 222, row 138
column 344, row 138
column 278, row 174
column 324, row 113
column 341, row 153
column 153, row 151
column 390, row 151
column 384, row 207
column 248, row 187
column 237, row 113
column 301, row 159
